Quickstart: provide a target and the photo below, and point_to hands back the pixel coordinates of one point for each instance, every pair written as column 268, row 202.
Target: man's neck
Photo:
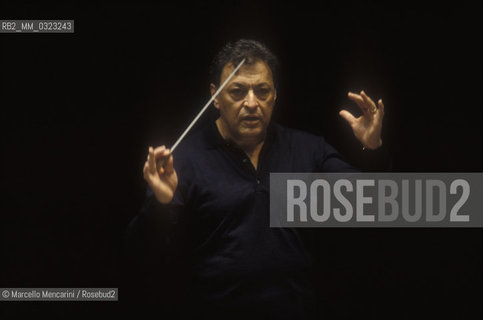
column 251, row 146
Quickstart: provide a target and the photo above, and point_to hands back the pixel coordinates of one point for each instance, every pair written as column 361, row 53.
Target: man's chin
column 251, row 132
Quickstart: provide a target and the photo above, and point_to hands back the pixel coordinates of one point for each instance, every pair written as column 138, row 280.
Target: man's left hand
column 367, row 127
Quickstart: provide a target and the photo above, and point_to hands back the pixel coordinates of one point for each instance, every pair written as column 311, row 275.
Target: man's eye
column 262, row 93
column 237, row 94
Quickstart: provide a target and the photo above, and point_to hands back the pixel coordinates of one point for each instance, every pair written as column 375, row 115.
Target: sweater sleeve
column 151, row 236
column 330, row 160
column 153, row 256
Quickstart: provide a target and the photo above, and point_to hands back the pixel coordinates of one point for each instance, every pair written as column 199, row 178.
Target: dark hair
column 234, row 52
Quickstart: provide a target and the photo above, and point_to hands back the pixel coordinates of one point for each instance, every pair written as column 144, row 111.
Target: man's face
column 246, row 103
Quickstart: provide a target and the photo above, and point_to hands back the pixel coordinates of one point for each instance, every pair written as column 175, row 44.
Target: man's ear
column 275, row 96
column 212, row 91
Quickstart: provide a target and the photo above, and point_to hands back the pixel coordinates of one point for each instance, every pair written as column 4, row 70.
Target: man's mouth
column 251, row 119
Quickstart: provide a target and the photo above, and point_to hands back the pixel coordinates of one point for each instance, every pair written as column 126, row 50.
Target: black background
column 78, row 112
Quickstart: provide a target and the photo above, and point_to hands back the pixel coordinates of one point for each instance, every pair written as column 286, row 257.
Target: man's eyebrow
column 238, row 84
column 245, row 85
column 262, row 84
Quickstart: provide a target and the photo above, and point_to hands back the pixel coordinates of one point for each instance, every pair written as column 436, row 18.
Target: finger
column 146, row 170
column 348, row 117
column 359, row 101
column 162, row 156
column 381, row 106
column 166, row 153
column 169, row 165
column 162, row 152
column 152, row 162
column 159, row 151
column 368, row 101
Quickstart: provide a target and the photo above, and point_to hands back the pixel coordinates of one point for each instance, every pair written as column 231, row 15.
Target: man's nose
column 251, row 101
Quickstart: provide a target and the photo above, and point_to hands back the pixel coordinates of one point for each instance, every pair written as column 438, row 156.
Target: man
column 216, row 185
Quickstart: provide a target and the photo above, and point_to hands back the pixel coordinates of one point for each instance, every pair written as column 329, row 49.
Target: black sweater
column 217, row 226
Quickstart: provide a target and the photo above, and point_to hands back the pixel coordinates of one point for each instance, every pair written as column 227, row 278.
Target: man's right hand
column 163, row 181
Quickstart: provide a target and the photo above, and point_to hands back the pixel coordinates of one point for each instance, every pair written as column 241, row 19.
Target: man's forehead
column 258, row 70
